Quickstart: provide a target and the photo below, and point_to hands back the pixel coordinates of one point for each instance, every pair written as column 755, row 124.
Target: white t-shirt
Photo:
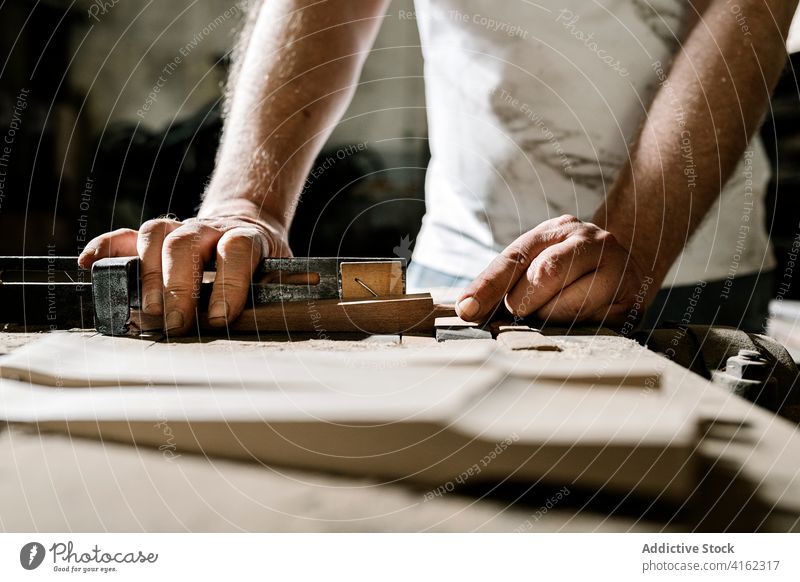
column 531, row 107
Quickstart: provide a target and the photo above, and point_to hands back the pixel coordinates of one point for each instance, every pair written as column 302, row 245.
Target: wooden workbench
column 50, row 482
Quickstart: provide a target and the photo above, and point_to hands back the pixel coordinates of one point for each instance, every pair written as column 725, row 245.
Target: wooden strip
column 453, row 323
column 526, row 340
column 407, row 313
column 502, row 328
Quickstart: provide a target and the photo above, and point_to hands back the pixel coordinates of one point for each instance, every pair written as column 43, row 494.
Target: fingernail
column 153, row 303
column 174, row 320
column 218, row 310
column 468, row 308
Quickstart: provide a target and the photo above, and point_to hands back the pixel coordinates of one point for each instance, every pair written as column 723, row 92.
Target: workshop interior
column 352, row 399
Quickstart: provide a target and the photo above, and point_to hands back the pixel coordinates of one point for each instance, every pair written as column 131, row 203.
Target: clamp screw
column 747, row 365
column 750, row 354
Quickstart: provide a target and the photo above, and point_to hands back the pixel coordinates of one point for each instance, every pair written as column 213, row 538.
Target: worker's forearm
column 707, row 107
column 299, row 69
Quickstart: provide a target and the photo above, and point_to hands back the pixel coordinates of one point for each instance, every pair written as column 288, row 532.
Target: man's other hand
column 173, row 255
column 563, row 271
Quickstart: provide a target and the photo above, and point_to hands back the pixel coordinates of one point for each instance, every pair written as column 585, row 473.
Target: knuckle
column 121, row 232
column 188, row 236
column 151, row 233
column 239, row 241
column 564, row 227
column 176, row 243
column 609, row 238
column 235, row 285
column 556, row 234
column 516, row 254
column 179, row 290
column 581, row 247
column 154, row 225
column 602, row 235
column 151, row 278
column 246, row 232
column 544, row 267
column 565, row 219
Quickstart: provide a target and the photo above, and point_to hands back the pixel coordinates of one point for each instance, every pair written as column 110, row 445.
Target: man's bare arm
column 296, row 73
column 708, row 106
column 715, row 95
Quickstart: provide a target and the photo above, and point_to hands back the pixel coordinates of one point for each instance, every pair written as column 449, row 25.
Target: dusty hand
column 564, row 271
column 173, row 254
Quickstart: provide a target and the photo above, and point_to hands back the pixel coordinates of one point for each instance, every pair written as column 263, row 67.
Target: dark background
column 70, row 178
column 73, row 174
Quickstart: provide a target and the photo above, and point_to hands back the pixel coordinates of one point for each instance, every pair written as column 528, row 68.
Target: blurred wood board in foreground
column 428, row 415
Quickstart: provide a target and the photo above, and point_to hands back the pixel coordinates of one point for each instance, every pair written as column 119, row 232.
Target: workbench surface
column 49, row 482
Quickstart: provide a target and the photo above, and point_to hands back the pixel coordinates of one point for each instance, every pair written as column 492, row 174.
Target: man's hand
column 295, row 71
column 174, row 253
column 564, row 270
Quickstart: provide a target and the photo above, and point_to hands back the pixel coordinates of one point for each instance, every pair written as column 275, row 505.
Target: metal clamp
column 116, row 288
column 115, row 291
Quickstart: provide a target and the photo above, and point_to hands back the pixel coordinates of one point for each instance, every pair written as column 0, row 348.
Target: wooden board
column 69, row 360
column 454, row 322
column 391, row 315
column 391, row 413
column 68, row 476
column 423, row 453
column 63, row 360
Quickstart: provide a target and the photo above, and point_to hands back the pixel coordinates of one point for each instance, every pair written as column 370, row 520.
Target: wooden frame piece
column 391, row 315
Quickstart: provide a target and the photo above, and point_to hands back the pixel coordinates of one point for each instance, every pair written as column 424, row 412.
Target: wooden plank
column 526, row 340
column 453, row 323
column 384, row 278
column 391, row 315
column 502, row 328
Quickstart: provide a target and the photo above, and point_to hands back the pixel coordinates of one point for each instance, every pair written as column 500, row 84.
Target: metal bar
column 40, row 263
column 45, row 290
column 328, row 269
